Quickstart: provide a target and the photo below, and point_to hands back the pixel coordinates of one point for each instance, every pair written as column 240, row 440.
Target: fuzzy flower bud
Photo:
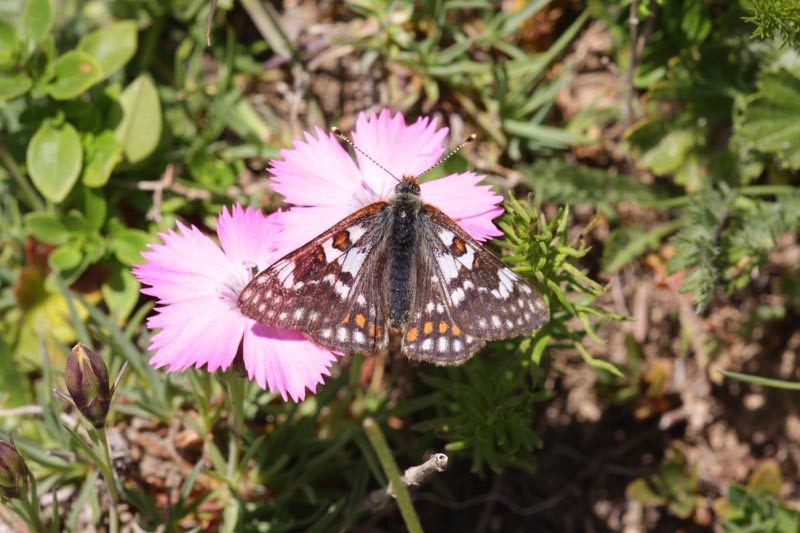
column 13, row 472
column 87, row 382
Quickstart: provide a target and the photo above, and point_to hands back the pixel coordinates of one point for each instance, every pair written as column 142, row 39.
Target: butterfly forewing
column 326, row 287
column 484, row 297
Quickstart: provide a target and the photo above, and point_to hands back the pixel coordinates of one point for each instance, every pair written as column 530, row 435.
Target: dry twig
column 414, row 475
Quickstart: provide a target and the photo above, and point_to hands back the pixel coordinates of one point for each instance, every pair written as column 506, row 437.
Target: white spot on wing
column 457, row 346
column 342, row 289
column 356, row 232
column 427, row 344
column 443, row 344
column 448, row 267
column 353, row 260
column 358, row 337
column 457, row 296
column 496, row 321
column 341, row 333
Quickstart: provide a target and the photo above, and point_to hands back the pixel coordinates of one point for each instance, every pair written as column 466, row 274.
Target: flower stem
column 381, row 447
column 107, row 470
column 235, row 399
column 30, row 503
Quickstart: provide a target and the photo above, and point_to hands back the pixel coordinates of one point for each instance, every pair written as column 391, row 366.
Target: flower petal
column 246, row 236
column 198, row 332
column 472, row 206
column 317, row 171
column 284, row 361
column 187, row 265
column 402, row 150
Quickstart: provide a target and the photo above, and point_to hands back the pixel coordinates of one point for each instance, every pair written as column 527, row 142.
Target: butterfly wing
column 326, row 287
column 430, row 334
column 481, row 297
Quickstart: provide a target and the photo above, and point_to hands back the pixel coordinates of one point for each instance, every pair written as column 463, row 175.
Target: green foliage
column 509, row 98
column 758, row 506
column 674, row 485
column 776, row 19
column 726, row 235
column 769, row 121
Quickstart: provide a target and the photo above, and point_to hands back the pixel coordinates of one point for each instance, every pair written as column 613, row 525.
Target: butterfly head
column 407, row 185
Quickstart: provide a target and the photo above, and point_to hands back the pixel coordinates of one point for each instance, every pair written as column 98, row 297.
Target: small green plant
column 757, row 506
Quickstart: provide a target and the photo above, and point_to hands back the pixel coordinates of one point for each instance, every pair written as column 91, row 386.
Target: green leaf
column 94, row 208
column 103, row 152
column 121, row 292
column 663, row 150
column 67, row 256
column 767, row 382
column 54, row 160
column 74, row 72
column 36, row 19
column 13, row 383
column 772, row 118
column 112, row 47
column 546, row 135
column 625, row 245
column 695, row 20
column 9, row 45
column 13, row 85
column 46, row 227
column 127, row 245
column 767, row 478
column 140, row 128
column 556, row 180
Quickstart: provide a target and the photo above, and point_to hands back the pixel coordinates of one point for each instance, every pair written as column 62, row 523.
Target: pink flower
column 324, row 184
column 197, row 283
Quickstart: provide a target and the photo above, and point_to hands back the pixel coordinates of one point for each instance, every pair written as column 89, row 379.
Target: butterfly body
column 399, row 266
column 403, row 214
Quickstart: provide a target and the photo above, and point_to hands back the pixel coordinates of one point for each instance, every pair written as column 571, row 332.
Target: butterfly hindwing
column 324, row 288
column 430, row 333
column 484, row 297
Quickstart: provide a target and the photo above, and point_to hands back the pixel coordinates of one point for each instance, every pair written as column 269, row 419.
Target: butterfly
column 400, row 267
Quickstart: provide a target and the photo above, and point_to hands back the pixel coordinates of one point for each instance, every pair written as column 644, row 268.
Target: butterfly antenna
column 336, row 131
column 468, row 140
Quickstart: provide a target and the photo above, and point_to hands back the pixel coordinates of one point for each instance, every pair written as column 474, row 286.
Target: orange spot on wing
column 442, row 327
column 411, row 334
column 340, row 240
column 346, row 319
column 456, row 331
column 427, row 329
column 361, row 320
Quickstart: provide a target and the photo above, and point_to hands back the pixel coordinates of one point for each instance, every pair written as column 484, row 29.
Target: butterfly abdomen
column 402, row 247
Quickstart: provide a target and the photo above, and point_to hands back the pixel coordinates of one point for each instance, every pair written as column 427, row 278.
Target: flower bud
column 87, row 383
column 13, row 472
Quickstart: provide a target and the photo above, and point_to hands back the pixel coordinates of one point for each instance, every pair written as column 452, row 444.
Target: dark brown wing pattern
column 326, row 288
column 464, row 296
